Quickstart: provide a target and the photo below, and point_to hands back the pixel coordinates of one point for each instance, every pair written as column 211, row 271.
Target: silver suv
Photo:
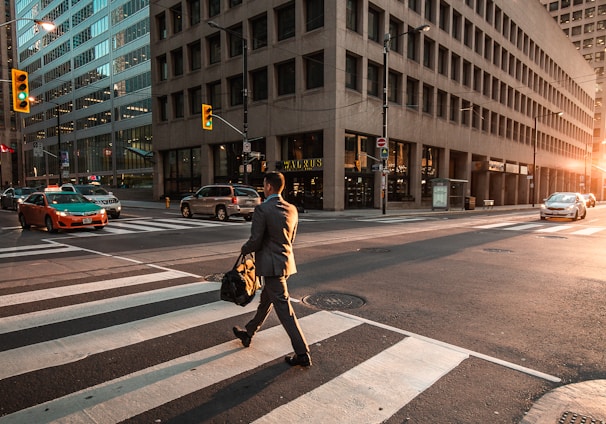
column 98, row 195
column 222, row 201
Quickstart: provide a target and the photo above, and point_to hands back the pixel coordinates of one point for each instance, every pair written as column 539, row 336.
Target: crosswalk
column 53, row 343
column 543, row 228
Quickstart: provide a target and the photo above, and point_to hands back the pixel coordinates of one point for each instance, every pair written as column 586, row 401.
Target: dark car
column 222, row 201
column 589, row 200
column 11, row 197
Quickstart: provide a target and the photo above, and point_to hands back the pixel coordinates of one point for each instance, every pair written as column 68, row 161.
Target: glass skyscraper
column 90, row 82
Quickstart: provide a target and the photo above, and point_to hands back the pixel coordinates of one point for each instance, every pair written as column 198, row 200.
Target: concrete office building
column 584, row 23
column 465, row 100
column 91, row 79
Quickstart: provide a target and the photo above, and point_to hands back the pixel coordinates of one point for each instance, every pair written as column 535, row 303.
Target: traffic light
column 207, row 117
column 20, row 91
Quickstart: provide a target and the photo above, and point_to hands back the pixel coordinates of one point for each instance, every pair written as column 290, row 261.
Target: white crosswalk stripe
column 543, row 228
column 393, row 220
column 150, row 225
column 370, row 391
column 35, row 250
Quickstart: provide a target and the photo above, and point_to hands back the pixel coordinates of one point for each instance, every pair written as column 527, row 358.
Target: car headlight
column 102, row 211
column 63, row 213
column 543, row 206
column 569, row 207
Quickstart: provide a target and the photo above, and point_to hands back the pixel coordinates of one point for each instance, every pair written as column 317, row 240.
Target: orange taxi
column 61, row 210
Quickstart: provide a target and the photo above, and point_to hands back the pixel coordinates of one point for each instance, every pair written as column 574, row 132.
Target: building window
column 194, row 12
column 178, row 108
column 443, row 60
column 351, row 20
column 373, row 25
column 315, row 14
column 233, row 3
column 314, row 71
column 177, row 18
column 413, row 46
column 163, row 106
column 412, row 93
column 259, row 32
column 195, row 56
column 163, row 67
column 259, row 84
column 286, row 77
column 414, row 5
column 235, row 91
column 214, row 48
column 351, row 72
column 428, row 53
column 162, row 30
column 177, row 59
column 442, row 104
column 373, row 80
column 214, row 7
column 395, row 29
column 286, row 21
column 427, row 99
column 195, row 100
column 213, row 90
column 235, row 41
column 393, row 83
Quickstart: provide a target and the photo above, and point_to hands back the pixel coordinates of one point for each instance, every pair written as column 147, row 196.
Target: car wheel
column 49, row 225
column 584, row 214
column 115, row 215
column 222, row 214
column 23, row 222
column 186, row 211
column 543, row 218
column 14, row 206
column 576, row 216
column 248, row 218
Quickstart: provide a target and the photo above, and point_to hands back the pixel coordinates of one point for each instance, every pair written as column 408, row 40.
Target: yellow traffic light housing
column 20, row 91
column 207, row 117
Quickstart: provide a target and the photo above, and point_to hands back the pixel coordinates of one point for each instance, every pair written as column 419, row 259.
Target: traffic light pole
column 386, row 41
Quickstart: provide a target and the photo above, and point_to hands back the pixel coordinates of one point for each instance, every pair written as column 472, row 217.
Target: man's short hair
column 276, row 180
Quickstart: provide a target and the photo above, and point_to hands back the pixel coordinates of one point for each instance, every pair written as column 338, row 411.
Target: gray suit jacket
column 273, row 230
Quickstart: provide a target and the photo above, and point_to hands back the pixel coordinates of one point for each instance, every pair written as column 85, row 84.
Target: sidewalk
column 583, row 402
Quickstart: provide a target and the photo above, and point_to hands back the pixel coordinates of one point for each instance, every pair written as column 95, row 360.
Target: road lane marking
column 523, row 227
column 496, row 225
column 554, row 229
column 588, row 231
column 374, row 390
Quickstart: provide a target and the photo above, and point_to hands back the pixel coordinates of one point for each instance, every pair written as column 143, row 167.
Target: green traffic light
column 22, row 95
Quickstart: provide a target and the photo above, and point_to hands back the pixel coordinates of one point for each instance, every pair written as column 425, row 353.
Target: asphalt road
column 463, row 318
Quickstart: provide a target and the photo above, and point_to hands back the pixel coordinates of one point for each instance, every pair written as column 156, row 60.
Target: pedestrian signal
column 207, row 117
column 20, row 91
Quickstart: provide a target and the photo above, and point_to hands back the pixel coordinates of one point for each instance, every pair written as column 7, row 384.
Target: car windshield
column 66, row 198
column 562, row 198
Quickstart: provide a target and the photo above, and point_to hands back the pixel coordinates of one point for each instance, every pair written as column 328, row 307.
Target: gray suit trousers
column 275, row 294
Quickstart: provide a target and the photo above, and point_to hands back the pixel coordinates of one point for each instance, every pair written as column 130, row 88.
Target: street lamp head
column 213, row 24
column 46, row 25
column 422, row 28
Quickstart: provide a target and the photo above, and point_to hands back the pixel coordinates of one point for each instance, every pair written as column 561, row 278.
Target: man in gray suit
column 273, row 230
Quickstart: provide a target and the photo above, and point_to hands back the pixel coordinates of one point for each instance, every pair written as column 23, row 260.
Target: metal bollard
column 167, row 200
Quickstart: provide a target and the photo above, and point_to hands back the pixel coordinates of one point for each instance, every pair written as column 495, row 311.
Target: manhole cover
column 373, row 250
column 498, row 250
column 574, row 418
column 333, row 301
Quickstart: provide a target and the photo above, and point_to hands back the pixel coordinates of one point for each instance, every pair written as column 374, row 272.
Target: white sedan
column 564, row 205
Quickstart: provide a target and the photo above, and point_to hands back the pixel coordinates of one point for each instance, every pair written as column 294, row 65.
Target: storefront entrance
column 304, row 190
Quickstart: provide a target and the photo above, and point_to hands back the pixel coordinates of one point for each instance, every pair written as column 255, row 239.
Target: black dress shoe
column 243, row 336
column 304, row 360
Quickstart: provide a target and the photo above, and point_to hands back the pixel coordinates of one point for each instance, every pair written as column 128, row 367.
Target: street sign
column 38, row 149
column 377, row 167
column 246, row 147
column 384, row 153
column 381, row 142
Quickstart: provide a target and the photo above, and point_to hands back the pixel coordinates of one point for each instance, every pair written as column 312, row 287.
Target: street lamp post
column 386, row 40
column 246, row 148
column 533, row 183
column 47, row 25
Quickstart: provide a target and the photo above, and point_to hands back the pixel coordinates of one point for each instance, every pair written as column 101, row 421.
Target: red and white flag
column 5, row 149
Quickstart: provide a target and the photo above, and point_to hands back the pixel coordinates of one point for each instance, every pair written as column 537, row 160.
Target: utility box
column 470, row 203
column 448, row 194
